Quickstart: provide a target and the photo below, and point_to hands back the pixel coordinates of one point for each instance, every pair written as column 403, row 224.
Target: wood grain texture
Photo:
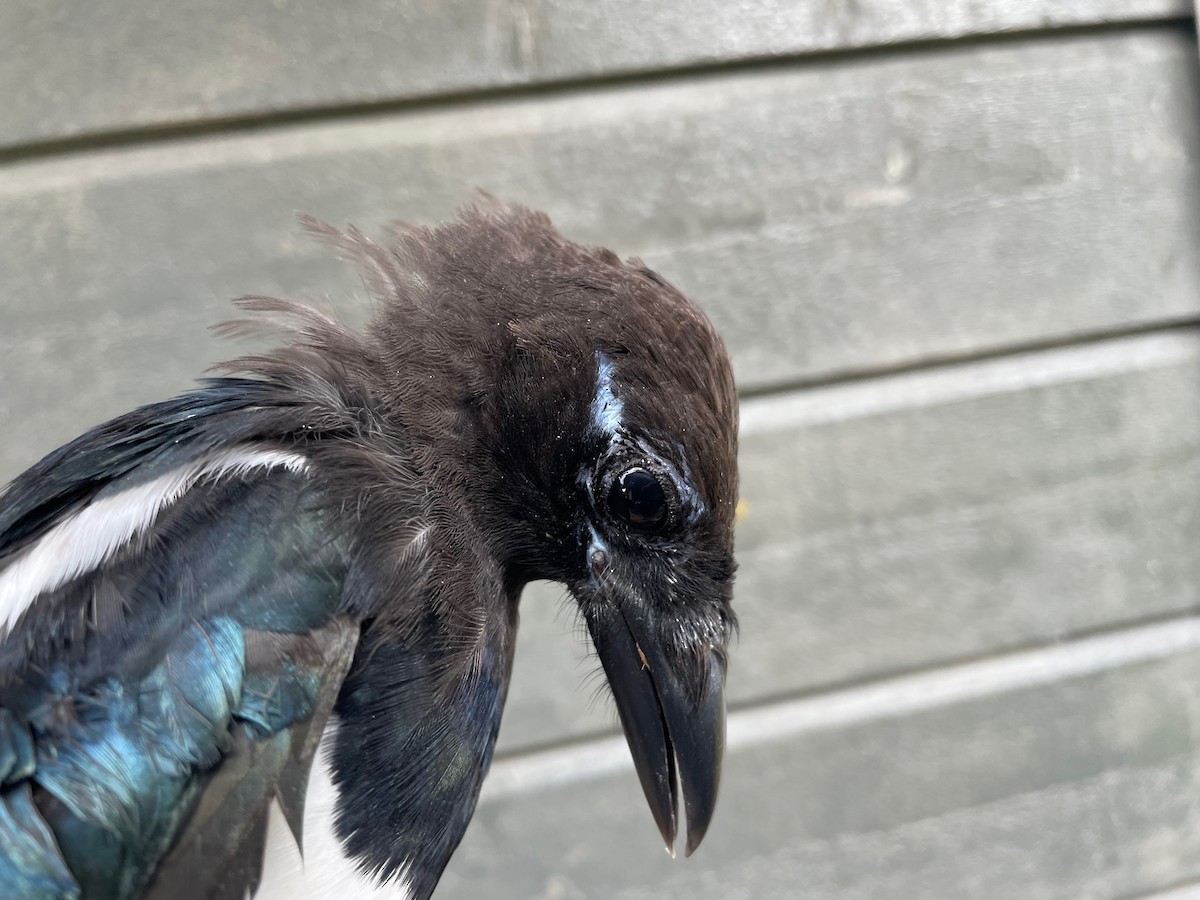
column 1063, row 773
column 908, row 522
column 969, row 665
column 856, row 216
column 71, row 69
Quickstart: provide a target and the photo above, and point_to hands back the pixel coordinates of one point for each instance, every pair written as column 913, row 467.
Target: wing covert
column 156, row 701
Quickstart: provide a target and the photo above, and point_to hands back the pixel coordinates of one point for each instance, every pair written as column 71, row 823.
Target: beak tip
column 693, row 842
column 666, row 827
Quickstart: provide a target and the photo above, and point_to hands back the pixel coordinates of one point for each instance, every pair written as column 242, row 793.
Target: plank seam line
column 951, row 359
column 1188, row 890
column 968, row 380
column 218, row 126
column 888, row 699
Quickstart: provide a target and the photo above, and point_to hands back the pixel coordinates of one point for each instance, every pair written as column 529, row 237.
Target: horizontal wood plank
column 1063, row 773
column 70, row 69
column 912, row 521
column 870, row 213
column 862, row 215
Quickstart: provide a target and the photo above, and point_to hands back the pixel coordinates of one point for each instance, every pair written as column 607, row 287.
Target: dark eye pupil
column 637, row 498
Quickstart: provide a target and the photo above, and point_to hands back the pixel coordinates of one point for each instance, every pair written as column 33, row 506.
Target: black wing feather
column 172, row 693
column 135, row 447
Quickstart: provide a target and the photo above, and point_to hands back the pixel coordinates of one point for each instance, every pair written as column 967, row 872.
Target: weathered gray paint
column 848, row 217
column 69, row 69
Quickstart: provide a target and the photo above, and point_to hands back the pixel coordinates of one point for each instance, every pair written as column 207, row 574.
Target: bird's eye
column 637, row 498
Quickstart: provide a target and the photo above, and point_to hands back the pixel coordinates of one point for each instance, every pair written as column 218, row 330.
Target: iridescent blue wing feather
column 154, row 705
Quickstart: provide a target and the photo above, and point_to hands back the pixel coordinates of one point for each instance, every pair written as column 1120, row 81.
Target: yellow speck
column 741, row 511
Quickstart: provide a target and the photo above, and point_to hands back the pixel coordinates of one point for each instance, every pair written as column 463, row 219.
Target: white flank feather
column 323, row 870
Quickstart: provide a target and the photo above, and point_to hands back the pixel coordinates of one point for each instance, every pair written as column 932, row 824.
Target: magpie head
column 657, row 489
column 584, row 413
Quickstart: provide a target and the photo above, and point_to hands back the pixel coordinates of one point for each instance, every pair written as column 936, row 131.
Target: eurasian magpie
column 279, row 611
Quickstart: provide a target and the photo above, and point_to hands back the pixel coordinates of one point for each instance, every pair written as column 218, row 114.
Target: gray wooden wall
column 955, row 249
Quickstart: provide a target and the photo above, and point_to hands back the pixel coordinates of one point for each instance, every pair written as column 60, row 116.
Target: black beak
column 672, row 712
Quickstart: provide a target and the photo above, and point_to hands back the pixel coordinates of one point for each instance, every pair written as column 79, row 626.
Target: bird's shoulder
column 134, row 448
column 174, row 635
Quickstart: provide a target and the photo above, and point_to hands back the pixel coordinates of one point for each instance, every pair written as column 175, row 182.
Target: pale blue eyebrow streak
column 607, row 409
column 607, row 412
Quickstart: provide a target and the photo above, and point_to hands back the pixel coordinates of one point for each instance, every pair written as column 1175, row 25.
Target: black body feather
column 154, row 705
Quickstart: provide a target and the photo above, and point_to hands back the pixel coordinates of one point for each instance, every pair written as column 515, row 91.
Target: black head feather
column 494, row 341
column 481, row 361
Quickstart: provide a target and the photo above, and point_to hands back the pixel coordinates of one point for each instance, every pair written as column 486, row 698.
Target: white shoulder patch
column 85, row 539
column 323, row 870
